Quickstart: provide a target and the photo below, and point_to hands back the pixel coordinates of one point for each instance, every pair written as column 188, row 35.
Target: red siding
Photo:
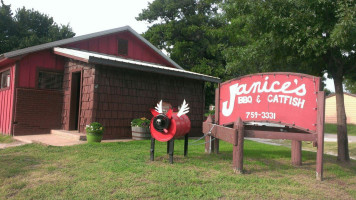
column 6, row 100
column 137, row 49
column 29, row 64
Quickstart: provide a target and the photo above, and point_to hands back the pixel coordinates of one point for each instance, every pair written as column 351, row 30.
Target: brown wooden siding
column 87, row 93
column 37, row 111
column 114, row 97
column 122, row 95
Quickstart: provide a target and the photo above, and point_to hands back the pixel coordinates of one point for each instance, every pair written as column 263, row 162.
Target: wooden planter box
column 139, row 133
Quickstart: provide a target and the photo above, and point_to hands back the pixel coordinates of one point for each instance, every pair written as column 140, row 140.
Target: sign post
column 291, row 101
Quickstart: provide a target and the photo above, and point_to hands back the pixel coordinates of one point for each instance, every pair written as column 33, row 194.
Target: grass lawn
column 332, row 128
column 123, row 170
column 5, row 139
column 329, row 147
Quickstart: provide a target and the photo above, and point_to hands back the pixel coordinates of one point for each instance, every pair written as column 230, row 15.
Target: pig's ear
column 154, row 112
column 169, row 114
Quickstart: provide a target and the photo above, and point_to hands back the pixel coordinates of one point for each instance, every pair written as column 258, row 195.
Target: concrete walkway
column 50, row 140
column 333, row 138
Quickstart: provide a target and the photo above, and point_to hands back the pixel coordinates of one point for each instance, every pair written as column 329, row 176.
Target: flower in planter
column 140, row 122
column 94, row 128
column 140, row 128
column 94, row 132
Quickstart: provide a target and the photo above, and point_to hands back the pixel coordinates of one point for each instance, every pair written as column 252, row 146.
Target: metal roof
column 115, row 61
column 50, row 45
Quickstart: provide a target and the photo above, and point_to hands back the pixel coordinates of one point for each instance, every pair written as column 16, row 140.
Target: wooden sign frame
column 235, row 133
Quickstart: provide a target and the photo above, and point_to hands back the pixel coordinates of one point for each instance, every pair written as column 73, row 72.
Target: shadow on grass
column 14, row 165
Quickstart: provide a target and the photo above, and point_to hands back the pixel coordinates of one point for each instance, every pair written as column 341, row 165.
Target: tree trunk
column 342, row 140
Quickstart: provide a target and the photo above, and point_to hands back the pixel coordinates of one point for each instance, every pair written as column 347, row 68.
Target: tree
column 7, row 29
column 28, row 28
column 190, row 31
column 350, row 86
column 308, row 36
column 327, row 92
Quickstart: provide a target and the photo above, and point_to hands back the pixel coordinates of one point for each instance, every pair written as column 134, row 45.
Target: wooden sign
column 289, row 99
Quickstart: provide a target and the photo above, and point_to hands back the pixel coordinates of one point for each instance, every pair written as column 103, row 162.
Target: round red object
column 178, row 127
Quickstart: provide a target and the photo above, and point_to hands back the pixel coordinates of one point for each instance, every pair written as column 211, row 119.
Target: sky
column 85, row 16
column 330, row 84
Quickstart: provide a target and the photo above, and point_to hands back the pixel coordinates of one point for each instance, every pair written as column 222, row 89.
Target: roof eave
column 55, row 51
column 131, row 66
column 6, row 61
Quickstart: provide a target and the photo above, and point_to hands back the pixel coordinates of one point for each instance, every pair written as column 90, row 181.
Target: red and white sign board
column 284, row 98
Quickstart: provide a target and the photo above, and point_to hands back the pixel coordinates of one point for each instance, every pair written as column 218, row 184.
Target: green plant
column 94, row 128
column 210, row 112
column 141, row 122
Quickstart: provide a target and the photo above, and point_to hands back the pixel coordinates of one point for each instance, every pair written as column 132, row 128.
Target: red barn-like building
column 110, row 77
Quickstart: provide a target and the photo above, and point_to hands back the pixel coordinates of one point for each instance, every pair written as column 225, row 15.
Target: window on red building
column 50, row 80
column 123, row 46
column 5, row 79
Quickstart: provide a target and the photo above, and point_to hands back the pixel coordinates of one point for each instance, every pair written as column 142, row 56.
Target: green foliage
column 141, row 122
column 350, row 85
column 280, row 35
column 94, row 128
column 301, row 36
column 28, row 28
column 7, row 28
column 192, row 33
column 327, row 92
column 210, row 112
